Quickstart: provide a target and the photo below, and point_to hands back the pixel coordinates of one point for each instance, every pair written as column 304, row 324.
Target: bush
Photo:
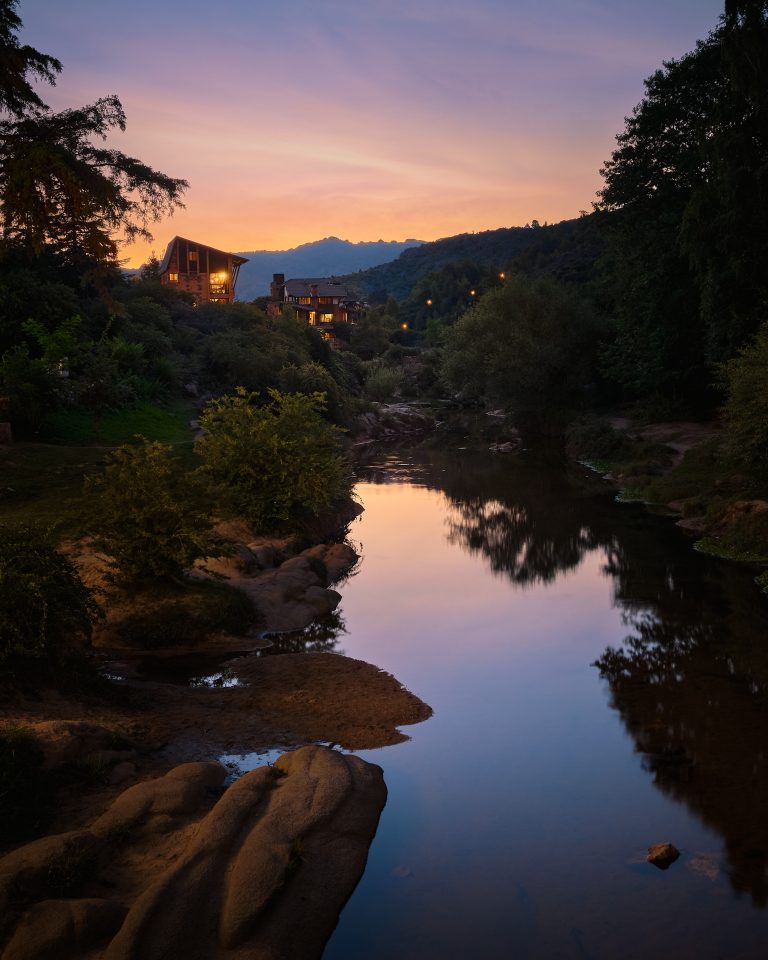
column 276, row 465
column 313, row 378
column 384, row 383
column 592, row 439
column 45, row 609
column 164, row 619
column 148, row 514
column 746, row 409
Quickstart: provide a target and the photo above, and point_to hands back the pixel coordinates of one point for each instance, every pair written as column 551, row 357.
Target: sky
column 295, row 120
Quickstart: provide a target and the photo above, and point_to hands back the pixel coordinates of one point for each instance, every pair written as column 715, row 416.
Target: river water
column 597, row 686
column 519, row 815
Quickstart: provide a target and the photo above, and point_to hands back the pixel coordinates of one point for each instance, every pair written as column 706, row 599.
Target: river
column 597, row 687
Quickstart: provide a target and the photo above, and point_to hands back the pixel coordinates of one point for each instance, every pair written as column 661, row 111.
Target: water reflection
column 319, row 637
column 689, row 680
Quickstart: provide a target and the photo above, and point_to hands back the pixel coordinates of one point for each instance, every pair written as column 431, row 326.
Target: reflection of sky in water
column 517, row 814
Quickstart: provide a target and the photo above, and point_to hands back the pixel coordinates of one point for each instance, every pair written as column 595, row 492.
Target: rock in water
column 269, row 868
column 663, row 855
column 258, row 872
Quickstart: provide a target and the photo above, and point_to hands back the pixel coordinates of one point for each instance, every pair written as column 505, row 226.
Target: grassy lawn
column 169, row 424
column 42, row 482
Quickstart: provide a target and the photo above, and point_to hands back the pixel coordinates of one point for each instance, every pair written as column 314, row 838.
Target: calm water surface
column 518, row 816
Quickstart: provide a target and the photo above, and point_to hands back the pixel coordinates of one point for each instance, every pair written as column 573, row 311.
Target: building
column 205, row 272
column 323, row 302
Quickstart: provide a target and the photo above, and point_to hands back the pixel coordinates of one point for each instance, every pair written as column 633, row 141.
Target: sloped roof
column 325, row 287
column 237, row 261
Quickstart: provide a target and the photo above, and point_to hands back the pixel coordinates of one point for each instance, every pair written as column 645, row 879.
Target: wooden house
column 205, row 272
column 323, row 302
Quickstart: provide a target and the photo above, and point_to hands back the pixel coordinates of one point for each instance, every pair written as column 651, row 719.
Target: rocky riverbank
column 182, row 866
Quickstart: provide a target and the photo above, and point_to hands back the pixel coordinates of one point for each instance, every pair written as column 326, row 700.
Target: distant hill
column 564, row 250
column 330, row 257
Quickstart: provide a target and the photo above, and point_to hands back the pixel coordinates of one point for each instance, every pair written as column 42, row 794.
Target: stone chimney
column 276, row 291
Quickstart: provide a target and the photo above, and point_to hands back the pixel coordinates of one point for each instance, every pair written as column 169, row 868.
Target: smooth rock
column 663, row 855
column 64, row 929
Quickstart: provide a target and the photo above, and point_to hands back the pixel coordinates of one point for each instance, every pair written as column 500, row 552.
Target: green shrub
column 277, row 464
column 45, row 609
column 148, row 514
column 22, row 785
column 384, row 383
column 186, row 616
column 746, row 408
column 592, row 439
column 312, row 378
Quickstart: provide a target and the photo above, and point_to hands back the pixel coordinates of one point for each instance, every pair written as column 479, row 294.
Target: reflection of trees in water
column 690, row 680
column 530, row 523
column 319, row 637
column 691, row 686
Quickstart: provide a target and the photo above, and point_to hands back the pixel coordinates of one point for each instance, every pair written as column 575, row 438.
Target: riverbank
column 689, row 470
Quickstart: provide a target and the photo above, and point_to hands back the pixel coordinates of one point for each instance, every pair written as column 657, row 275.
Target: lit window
column 173, row 278
column 312, row 317
column 303, row 299
column 326, row 318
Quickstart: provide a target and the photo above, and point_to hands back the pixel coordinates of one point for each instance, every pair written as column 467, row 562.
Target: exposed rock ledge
column 174, row 868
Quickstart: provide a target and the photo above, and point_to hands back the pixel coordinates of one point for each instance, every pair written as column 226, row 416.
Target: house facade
column 322, row 301
column 208, row 274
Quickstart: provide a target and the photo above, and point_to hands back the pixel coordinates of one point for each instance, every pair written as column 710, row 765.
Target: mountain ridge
column 330, row 256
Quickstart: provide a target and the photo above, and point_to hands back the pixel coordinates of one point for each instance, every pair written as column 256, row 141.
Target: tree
column 529, row 345
column 17, row 63
column 277, row 464
column 688, row 191
column 59, row 190
column 148, row 514
column 45, row 609
column 63, row 192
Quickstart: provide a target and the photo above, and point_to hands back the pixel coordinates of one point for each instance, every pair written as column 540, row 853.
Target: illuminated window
column 303, row 299
column 173, row 278
column 326, row 318
column 312, row 317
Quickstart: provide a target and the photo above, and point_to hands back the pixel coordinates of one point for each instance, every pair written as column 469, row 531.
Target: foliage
column 61, row 191
column 22, row 783
column 313, row 378
column 34, row 390
column 168, row 617
column 383, row 383
column 746, row 408
column 489, row 248
column 688, row 188
column 17, row 63
column 276, row 464
column 148, row 513
column 45, row 609
column 529, row 345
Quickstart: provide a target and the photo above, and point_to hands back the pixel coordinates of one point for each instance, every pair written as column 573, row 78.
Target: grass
column 42, row 482
column 167, row 424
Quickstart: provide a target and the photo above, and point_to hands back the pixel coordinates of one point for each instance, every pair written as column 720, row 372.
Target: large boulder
column 183, row 869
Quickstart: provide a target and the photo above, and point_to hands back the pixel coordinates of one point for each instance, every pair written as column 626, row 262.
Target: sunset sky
column 365, row 119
